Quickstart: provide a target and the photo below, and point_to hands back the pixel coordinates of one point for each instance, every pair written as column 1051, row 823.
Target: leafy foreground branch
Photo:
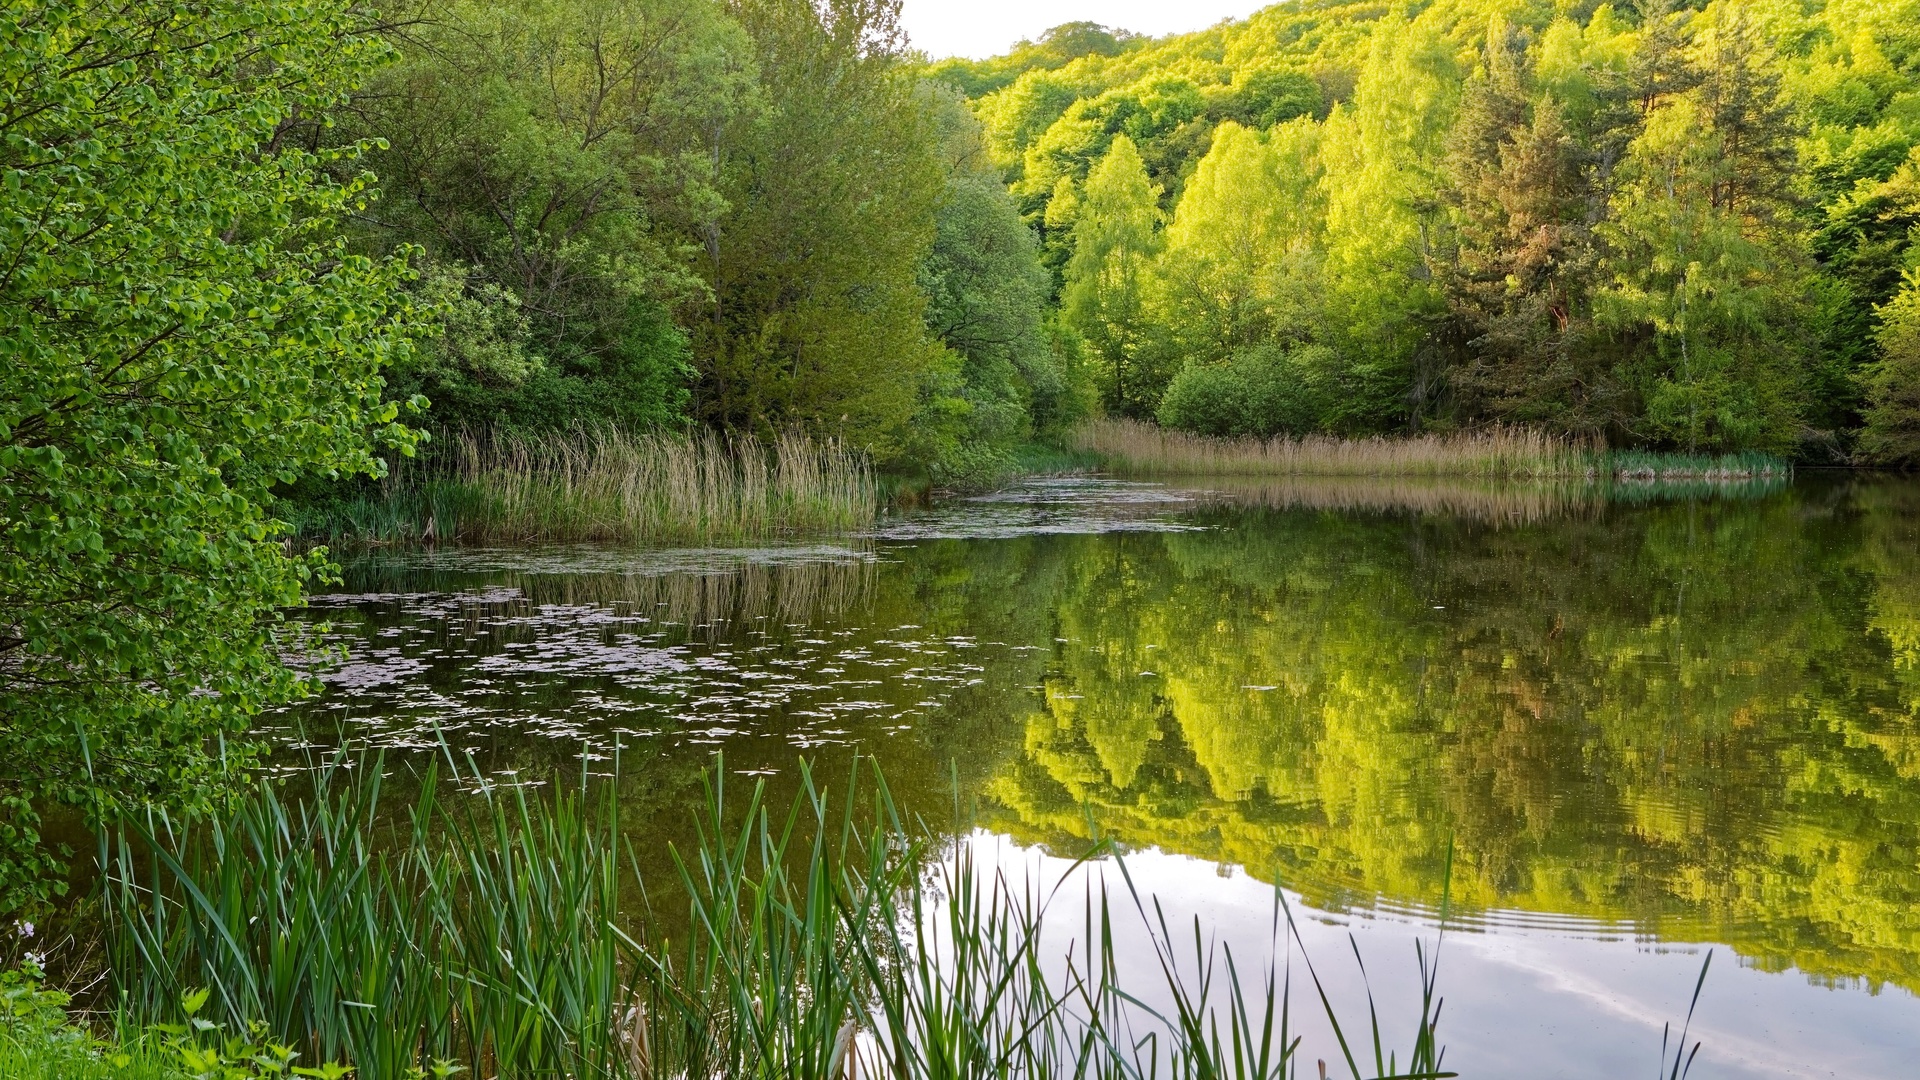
column 496, row 932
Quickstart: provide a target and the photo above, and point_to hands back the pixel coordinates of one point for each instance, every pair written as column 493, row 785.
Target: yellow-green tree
column 1243, row 247
column 1893, row 414
column 1116, row 235
column 1383, row 155
column 1691, row 280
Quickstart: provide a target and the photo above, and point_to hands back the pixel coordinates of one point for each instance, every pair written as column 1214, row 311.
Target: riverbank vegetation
column 606, row 485
column 497, row 933
column 1135, row 448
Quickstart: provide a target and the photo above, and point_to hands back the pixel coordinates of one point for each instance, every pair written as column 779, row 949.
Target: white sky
column 981, row 28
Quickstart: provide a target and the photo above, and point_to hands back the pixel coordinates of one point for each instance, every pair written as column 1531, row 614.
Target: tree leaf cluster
column 181, row 330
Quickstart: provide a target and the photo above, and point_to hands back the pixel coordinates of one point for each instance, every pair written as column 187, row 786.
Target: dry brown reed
column 605, row 485
column 1134, row 447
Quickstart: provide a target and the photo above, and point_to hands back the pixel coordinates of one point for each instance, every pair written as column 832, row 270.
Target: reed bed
column 1133, row 447
column 497, row 934
column 1136, row 447
column 606, row 485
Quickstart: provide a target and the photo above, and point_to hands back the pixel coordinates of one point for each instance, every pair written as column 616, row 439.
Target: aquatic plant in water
column 1135, row 448
column 606, row 485
column 493, row 928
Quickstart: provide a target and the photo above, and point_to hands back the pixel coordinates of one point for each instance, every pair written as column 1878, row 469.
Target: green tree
column 1863, row 246
column 1116, row 235
column 987, row 294
column 1152, row 113
column 1018, row 114
column 1384, row 154
column 181, row 330
column 816, row 316
column 1244, row 242
column 1892, row 434
column 554, row 159
column 1707, row 266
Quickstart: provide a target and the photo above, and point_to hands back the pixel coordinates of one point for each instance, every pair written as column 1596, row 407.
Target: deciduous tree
column 1116, row 235
column 181, row 329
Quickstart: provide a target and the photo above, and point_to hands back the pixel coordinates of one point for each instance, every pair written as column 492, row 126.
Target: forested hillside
column 1667, row 226
column 1651, row 224
column 753, row 215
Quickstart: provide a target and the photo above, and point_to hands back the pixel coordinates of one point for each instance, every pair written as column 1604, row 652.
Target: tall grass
column 1132, row 446
column 603, row 484
column 1503, row 453
column 820, row 941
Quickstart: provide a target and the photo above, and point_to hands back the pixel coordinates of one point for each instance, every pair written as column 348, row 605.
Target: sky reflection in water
column 1645, row 724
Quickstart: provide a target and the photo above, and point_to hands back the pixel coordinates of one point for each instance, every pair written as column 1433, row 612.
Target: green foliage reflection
column 1700, row 717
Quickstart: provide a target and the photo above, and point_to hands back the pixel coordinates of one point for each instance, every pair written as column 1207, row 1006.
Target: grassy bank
column 1136, row 448
column 605, row 485
column 821, row 940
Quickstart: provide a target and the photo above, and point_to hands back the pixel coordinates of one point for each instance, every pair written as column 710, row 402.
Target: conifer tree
column 1518, row 279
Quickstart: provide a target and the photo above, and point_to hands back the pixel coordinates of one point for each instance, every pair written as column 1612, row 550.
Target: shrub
column 1206, row 399
column 1264, row 391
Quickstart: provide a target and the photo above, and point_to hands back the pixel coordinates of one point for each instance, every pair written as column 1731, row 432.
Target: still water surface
column 1648, row 725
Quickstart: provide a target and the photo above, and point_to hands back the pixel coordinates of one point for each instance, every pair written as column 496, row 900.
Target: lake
column 1637, row 724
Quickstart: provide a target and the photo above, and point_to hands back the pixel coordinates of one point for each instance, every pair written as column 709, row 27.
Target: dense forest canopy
column 1654, row 224
column 753, row 214
column 1686, row 227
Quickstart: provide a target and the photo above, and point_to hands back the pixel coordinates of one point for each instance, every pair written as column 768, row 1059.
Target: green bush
column 1262, row 391
column 1206, row 399
column 38, row 1041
